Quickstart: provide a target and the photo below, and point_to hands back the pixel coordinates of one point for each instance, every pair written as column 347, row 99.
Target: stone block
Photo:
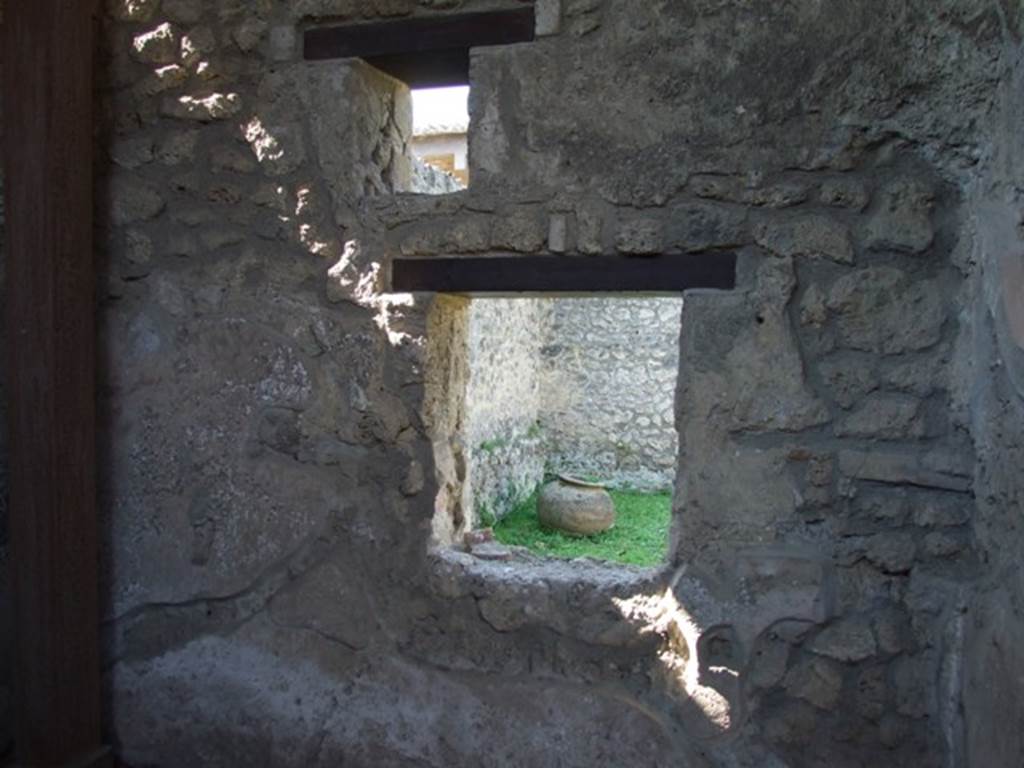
column 893, row 630
column 132, row 200
column 816, row 681
column 849, row 640
column 780, row 583
column 768, row 389
column 522, row 232
column 902, row 221
column 283, row 42
column 703, row 226
column 871, row 693
column 279, row 149
column 548, row 17
column 132, row 10
column 132, row 153
column 640, row 237
column 248, row 34
column 590, row 229
column 183, row 11
column 768, row 663
column 845, row 193
column 227, row 158
column 849, row 377
column 900, row 468
column 203, row 109
column 179, row 147
column 811, row 235
column 943, row 544
column 558, row 233
column 892, row 552
column 885, row 417
column 157, row 46
column 882, row 310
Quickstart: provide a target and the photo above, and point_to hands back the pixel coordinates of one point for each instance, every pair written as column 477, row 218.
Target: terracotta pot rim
column 577, row 481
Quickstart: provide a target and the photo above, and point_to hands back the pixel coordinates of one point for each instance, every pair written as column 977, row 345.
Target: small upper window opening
column 440, row 137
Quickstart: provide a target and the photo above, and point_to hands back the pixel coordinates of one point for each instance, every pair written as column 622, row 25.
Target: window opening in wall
column 549, row 416
column 440, row 132
column 429, row 55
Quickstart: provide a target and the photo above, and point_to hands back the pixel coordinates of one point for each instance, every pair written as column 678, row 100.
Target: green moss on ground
column 640, row 535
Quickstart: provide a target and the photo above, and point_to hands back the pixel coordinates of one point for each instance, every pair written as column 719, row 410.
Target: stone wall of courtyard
column 581, row 386
column 609, row 382
column 283, row 455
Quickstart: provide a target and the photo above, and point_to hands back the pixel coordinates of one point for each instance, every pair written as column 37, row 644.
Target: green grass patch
column 640, row 535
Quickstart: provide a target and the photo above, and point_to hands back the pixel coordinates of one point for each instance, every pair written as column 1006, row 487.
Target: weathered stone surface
column 328, row 603
column 248, row 34
column 871, row 693
column 132, row 201
column 523, row 232
column 183, row 11
column 216, row 106
column 845, row 193
column 590, row 229
column 849, row 377
column 903, row 219
column 558, row 233
column 816, row 681
column 132, row 10
column 640, row 237
column 700, row 227
column 886, row 417
column 768, row 387
column 132, row 153
column 881, row 310
column 892, row 552
column 847, row 640
column 549, row 17
column 814, row 236
column 901, row 468
column 157, row 46
column 163, row 79
column 279, row 149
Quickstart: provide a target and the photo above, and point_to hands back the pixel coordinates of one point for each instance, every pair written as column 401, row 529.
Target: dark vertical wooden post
column 48, row 127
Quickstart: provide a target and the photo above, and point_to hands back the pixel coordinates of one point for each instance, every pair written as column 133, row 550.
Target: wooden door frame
column 51, row 380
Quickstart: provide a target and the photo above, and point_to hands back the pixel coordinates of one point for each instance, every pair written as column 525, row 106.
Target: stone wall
column 504, row 403
column 609, row 383
column 993, row 376
column 280, row 470
column 427, row 180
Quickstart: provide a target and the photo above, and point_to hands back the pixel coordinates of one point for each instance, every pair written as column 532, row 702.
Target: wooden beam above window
column 430, row 51
column 503, row 275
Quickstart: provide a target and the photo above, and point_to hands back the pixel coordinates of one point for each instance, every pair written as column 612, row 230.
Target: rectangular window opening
column 428, row 55
column 440, row 140
column 552, row 418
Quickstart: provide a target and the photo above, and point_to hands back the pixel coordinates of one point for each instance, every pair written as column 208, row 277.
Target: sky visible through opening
column 434, row 107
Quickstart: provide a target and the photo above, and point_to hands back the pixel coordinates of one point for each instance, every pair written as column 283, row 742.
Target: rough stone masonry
column 281, row 490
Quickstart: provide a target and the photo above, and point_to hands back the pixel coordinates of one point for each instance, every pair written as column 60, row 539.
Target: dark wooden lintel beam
column 420, row 35
column 425, row 51
column 503, row 275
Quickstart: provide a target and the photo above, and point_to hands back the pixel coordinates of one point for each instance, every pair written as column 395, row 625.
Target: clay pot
column 575, row 507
